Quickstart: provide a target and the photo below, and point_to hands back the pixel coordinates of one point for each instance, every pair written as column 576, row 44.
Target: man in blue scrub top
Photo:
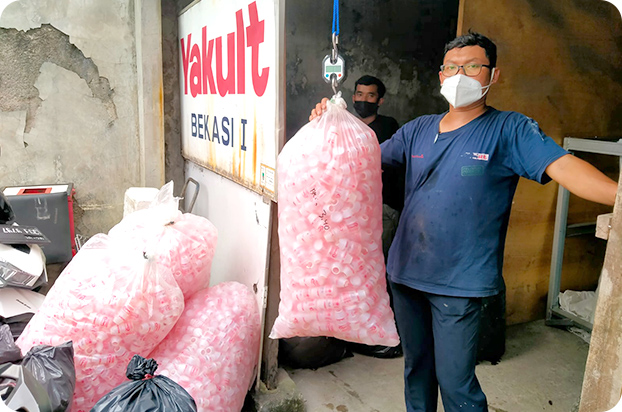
column 462, row 168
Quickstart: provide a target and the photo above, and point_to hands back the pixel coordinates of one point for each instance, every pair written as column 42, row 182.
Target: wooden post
column 602, row 382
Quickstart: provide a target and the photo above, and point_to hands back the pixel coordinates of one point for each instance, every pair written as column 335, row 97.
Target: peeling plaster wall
column 68, row 102
column 399, row 41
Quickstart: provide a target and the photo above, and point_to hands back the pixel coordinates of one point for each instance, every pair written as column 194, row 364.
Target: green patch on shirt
column 472, row 171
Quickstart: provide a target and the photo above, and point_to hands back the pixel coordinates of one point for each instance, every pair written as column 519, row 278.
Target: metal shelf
column 555, row 315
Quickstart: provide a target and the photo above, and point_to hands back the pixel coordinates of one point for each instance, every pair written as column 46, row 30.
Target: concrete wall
column 560, row 64
column 399, row 41
column 80, row 101
column 170, row 73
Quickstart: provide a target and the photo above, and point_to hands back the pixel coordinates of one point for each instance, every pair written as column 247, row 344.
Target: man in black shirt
column 368, row 96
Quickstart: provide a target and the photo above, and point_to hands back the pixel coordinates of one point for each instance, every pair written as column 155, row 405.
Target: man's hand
column 319, row 109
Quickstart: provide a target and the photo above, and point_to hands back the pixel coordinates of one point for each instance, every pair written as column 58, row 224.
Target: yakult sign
column 228, row 61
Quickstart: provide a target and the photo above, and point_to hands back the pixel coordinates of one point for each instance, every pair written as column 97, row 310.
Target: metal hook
column 335, row 50
column 333, row 82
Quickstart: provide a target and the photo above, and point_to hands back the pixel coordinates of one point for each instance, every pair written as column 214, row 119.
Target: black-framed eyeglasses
column 471, row 69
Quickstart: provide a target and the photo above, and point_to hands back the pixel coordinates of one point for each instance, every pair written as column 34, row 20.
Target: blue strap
column 336, row 17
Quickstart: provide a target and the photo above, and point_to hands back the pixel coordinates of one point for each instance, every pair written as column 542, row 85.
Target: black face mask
column 365, row 109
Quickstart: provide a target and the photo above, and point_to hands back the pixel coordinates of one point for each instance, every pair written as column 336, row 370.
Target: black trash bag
column 54, row 369
column 17, row 328
column 377, row 351
column 9, row 352
column 20, row 390
column 312, row 353
column 146, row 393
column 491, row 346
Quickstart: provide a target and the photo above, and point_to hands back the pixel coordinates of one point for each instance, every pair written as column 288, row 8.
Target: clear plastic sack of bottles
column 112, row 301
column 183, row 242
column 330, row 233
column 213, row 350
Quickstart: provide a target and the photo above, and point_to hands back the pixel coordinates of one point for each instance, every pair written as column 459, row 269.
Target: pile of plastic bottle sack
column 143, row 289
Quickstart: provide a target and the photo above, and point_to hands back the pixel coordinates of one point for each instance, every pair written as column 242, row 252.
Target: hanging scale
column 333, row 65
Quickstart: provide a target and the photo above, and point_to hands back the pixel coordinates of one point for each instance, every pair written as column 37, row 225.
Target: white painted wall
column 243, row 220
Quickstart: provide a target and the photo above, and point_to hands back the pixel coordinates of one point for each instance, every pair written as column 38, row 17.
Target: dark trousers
column 440, row 338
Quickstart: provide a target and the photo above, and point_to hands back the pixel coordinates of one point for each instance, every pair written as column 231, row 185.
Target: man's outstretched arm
column 583, row 179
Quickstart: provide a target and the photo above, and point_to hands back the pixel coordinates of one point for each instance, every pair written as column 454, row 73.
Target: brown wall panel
column 561, row 64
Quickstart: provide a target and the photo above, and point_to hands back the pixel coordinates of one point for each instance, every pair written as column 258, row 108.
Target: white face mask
column 461, row 90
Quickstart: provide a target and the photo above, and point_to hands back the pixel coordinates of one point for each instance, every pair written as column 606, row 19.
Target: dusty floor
column 542, row 370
